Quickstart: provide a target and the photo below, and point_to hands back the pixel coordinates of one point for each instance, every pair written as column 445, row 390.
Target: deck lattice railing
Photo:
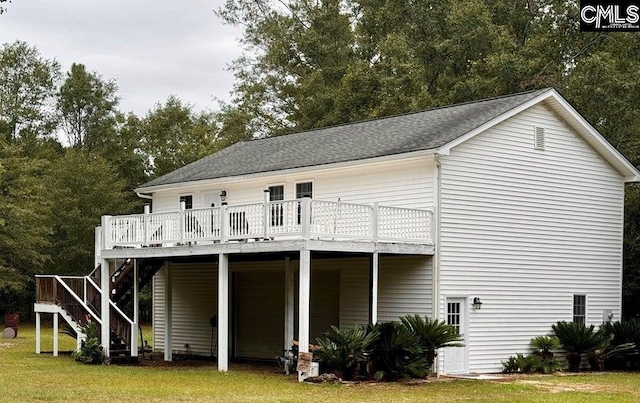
column 305, row 218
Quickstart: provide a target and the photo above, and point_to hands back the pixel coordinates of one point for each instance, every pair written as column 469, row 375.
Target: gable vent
column 538, row 138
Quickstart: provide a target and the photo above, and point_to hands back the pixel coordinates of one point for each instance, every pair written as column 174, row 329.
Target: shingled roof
column 399, row 134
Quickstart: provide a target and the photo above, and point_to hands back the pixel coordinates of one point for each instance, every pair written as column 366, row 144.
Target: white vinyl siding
column 399, row 183
column 354, row 292
column 525, row 231
column 194, row 302
column 404, row 287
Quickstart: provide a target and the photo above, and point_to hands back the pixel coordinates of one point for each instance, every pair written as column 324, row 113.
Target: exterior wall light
column 477, row 304
column 223, row 195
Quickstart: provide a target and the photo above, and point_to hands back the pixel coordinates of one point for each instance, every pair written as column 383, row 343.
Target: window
column 538, row 138
column 580, row 309
column 188, row 201
column 303, row 189
column 453, row 315
column 276, row 193
column 190, row 224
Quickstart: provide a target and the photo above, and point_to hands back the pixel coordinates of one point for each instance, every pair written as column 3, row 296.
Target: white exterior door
column 455, row 357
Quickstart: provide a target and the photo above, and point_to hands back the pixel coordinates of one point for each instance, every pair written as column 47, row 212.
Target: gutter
column 144, row 196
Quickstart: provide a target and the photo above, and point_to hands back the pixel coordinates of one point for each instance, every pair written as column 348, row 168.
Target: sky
column 152, row 49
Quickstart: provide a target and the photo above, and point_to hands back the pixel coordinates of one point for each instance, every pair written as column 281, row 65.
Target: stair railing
column 125, row 268
column 122, row 325
column 73, row 304
column 93, row 296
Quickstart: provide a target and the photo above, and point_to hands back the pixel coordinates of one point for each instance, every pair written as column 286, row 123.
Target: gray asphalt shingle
column 417, row 131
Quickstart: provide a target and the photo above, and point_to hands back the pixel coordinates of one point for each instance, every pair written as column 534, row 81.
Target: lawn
column 25, row 376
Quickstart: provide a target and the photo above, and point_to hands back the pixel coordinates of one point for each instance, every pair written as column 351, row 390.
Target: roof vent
column 538, row 138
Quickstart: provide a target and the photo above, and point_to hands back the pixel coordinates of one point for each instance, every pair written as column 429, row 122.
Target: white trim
column 574, row 294
column 632, row 173
column 447, row 147
column 584, row 129
column 314, row 168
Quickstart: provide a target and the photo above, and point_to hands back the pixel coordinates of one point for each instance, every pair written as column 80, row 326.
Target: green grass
column 26, row 376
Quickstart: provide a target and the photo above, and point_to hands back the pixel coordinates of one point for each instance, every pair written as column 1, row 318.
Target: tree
column 27, row 91
column 84, row 186
column 87, row 106
column 173, row 135
column 24, row 225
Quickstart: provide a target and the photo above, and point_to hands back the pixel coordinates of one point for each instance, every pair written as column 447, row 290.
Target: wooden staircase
column 78, row 300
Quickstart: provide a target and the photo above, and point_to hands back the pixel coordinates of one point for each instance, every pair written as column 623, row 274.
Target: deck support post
column 289, row 297
column 375, row 263
column 134, row 326
column 55, row 334
column 168, row 312
column 223, row 312
column 105, row 286
column 303, row 301
column 38, row 338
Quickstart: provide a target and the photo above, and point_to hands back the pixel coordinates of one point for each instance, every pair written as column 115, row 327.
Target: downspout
column 436, row 239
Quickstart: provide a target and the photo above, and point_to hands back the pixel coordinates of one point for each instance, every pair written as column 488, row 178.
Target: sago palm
column 433, row 334
column 577, row 339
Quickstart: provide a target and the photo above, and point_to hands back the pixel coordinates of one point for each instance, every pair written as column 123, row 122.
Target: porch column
column 374, row 288
column 168, row 312
column 289, row 297
column 105, row 286
column 134, row 327
column 303, row 308
column 223, row 312
column 55, row 334
column 37, row 332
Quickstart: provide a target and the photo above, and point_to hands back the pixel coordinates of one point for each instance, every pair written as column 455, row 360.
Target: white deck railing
column 291, row 219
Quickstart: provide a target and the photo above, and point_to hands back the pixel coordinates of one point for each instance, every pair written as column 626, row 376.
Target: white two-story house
column 500, row 216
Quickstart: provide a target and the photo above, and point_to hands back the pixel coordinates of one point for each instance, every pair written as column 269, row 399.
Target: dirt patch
column 556, row 387
column 4, row 346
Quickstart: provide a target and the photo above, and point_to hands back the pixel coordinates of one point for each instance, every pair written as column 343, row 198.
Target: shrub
column 542, row 346
column 511, row 365
column 432, row 334
column 577, row 339
column 396, row 352
column 344, row 351
column 530, row 363
column 90, row 351
column 623, row 351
